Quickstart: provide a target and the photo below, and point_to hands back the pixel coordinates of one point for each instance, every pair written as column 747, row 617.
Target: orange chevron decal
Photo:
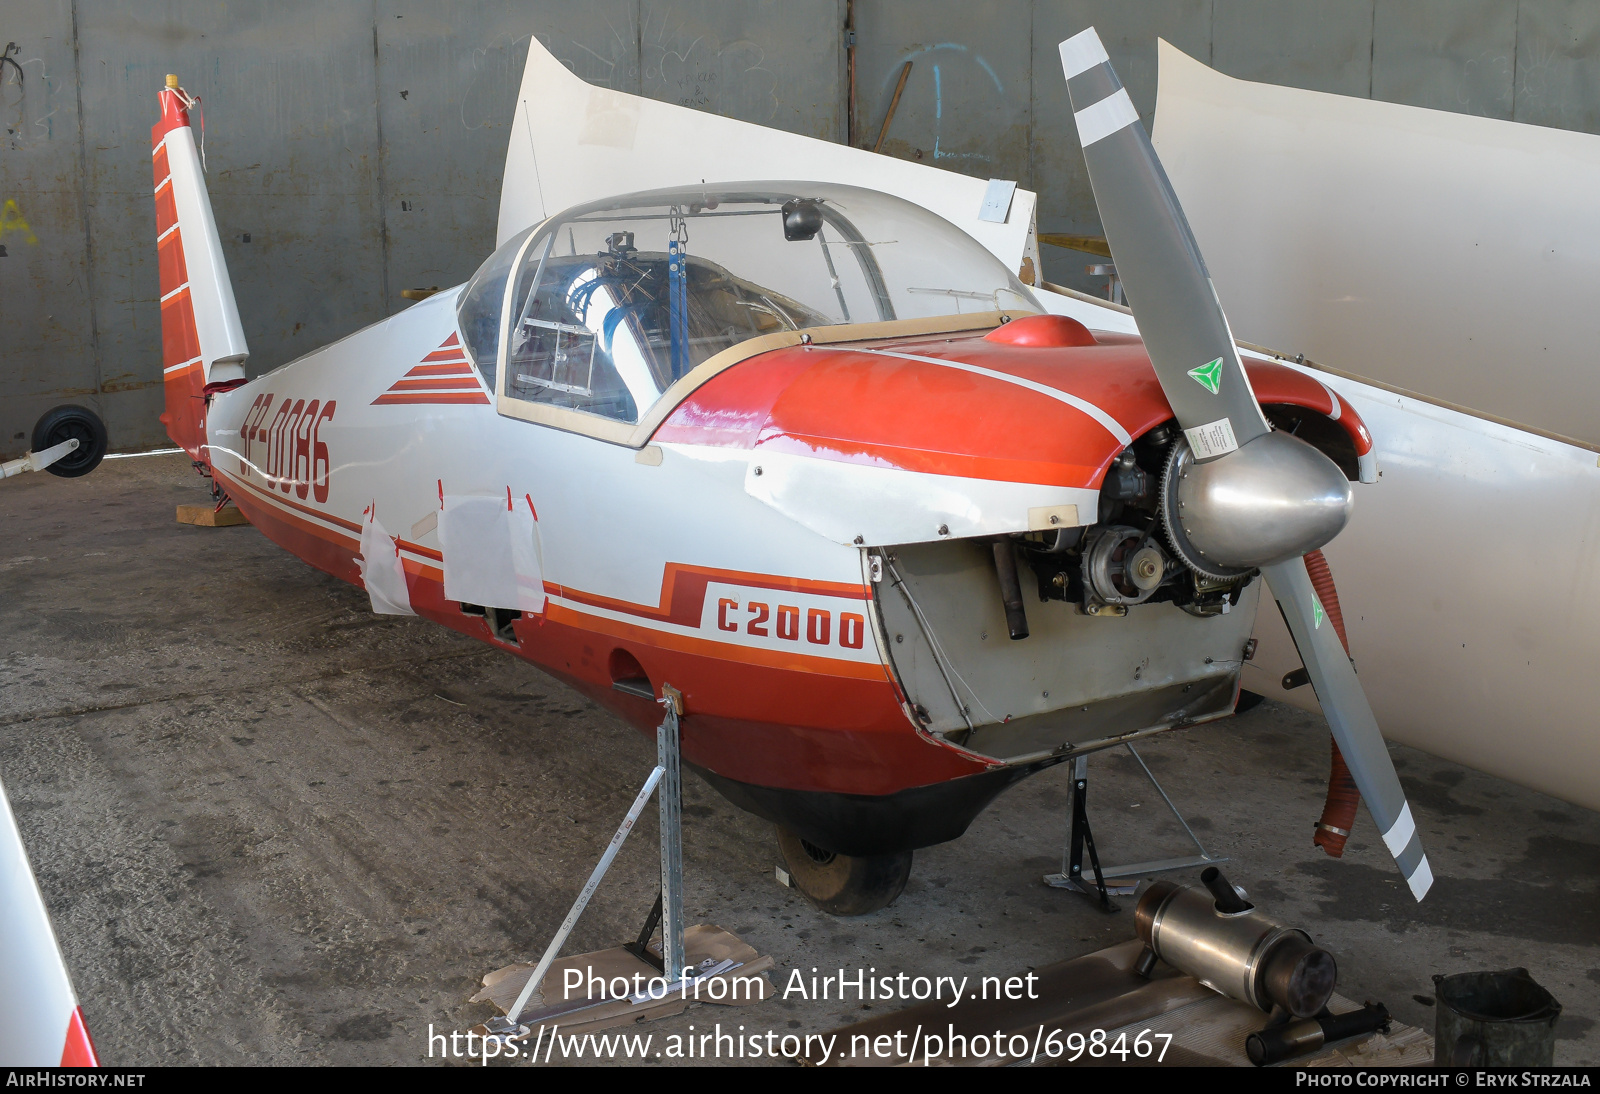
column 445, row 378
column 438, row 398
column 438, row 383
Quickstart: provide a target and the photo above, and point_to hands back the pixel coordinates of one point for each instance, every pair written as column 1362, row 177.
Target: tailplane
column 202, row 343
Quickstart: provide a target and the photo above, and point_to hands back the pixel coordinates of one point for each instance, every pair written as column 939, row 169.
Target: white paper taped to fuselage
column 381, row 569
column 491, row 556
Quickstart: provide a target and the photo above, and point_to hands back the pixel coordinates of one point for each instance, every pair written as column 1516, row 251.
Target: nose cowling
column 1273, row 499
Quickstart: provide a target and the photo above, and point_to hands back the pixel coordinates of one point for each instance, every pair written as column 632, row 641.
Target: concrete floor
column 275, row 828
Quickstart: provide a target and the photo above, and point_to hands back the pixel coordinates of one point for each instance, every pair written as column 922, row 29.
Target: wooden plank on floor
column 206, row 516
column 582, row 1011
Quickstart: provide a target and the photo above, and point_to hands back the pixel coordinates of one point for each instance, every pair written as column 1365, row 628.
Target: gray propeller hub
column 1274, row 499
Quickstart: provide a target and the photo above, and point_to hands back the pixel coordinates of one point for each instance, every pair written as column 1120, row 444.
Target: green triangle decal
column 1317, row 614
column 1208, row 376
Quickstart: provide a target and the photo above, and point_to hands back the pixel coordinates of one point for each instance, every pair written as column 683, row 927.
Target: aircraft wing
column 1424, row 250
column 1444, row 253
column 573, row 142
column 40, row 1023
column 1459, row 657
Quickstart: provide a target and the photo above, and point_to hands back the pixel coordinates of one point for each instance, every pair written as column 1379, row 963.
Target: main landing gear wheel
column 843, row 884
column 63, row 424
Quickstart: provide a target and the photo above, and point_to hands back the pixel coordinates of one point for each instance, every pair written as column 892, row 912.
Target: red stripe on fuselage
column 311, row 511
column 826, row 728
column 475, row 397
column 683, row 592
column 726, row 651
column 419, row 549
column 437, row 383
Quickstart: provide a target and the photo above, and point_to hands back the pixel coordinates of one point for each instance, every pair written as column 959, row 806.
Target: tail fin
column 202, row 343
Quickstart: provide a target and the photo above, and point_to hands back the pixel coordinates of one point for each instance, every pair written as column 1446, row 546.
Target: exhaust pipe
column 1005, row 567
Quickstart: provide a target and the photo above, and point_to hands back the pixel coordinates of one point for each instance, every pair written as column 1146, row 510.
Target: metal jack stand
column 668, row 910
column 1078, row 837
column 1071, row 876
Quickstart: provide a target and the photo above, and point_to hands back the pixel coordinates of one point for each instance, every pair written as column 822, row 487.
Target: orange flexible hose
column 1339, row 811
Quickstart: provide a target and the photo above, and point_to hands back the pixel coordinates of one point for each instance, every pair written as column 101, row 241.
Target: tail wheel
column 843, row 884
column 65, row 423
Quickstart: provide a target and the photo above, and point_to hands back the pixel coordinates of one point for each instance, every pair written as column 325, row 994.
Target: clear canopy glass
column 613, row 301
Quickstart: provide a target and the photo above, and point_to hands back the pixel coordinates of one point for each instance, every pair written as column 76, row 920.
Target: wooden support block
column 207, row 516
column 580, row 1012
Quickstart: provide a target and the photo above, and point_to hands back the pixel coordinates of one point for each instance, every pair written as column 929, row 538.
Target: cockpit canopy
column 602, row 308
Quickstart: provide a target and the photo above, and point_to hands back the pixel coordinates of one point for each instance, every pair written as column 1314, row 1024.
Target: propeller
column 1237, row 496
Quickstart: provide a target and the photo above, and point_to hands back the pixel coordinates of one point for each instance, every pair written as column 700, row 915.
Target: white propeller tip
column 1082, row 52
column 1401, row 831
column 1421, row 879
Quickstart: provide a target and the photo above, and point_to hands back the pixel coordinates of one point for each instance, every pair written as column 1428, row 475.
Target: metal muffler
column 1220, row 939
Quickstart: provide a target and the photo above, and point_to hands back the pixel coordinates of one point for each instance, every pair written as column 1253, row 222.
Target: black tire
column 843, row 884
column 64, row 423
column 1248, row 700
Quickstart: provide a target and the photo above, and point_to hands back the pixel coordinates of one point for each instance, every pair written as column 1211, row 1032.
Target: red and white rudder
column 202, row 342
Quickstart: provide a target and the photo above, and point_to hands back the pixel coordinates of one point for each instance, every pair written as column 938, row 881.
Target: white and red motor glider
column 815, row 457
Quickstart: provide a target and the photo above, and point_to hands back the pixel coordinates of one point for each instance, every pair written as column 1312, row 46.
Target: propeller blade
column 1273, row 498
column 1350, row 718
column 1263, row 507
column 1163, row 275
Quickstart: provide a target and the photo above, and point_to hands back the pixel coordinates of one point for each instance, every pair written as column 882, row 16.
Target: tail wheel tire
column 843, row 884
column 65, row 423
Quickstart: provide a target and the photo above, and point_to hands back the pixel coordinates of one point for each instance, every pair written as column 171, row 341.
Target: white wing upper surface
column 572, row 142
column 1452, row 255
column 36, row 997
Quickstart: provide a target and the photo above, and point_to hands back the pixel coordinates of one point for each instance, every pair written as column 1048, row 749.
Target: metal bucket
column 1494, row 1019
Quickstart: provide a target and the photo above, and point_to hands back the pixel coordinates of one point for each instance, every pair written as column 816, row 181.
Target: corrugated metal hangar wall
column 354, row 146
